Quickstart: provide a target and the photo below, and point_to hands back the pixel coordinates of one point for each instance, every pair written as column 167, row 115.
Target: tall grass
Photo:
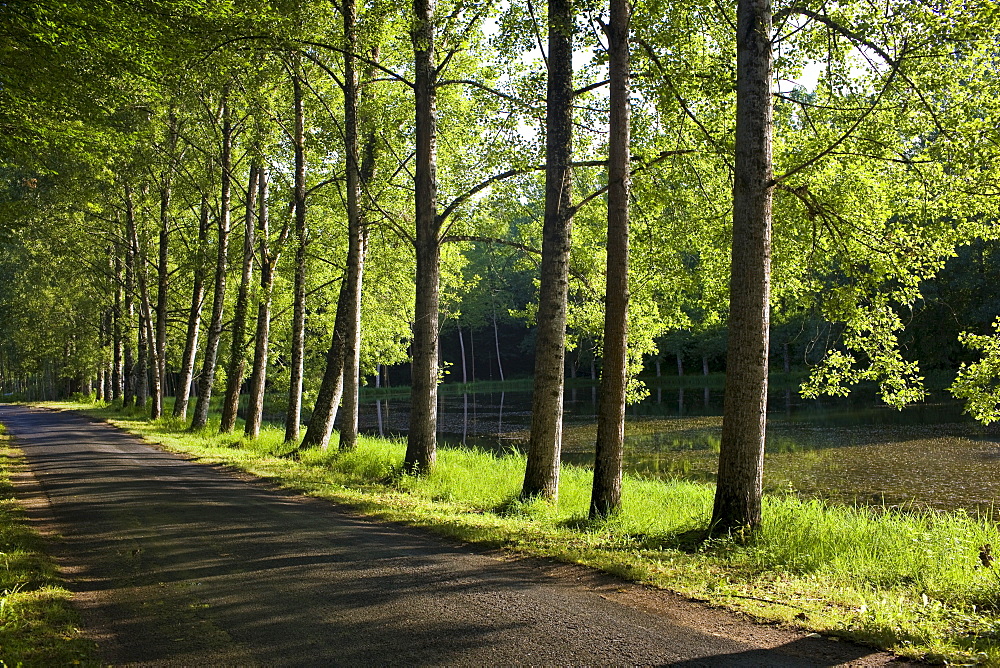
column 907, row 580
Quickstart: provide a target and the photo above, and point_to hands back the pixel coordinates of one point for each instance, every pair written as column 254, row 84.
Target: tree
column 357, row 232
column 194, row 313
column 542, row 473
column 294, row 411
column 237, row 348
column 267, row 259
column 741, row 454
column 421, row 437
column 163, row 270
column 606, row 496
column 208, row 367
column 342, row 373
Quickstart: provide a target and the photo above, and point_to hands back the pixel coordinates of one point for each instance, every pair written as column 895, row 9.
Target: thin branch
column 901, row 160
column 859, row 39
column 489, row 240
column 680, row 100
column 444, row 63
column 593, row 86
column 323, row 66
column 488, row 89
column 479, row 187
column 227, row 42
column 813, row 105
column 513, row 244
column 325, row 260
column 850, row 131
column 323, row 183
column 390, row 219
column 837, row 27
column 364, row 59
column 638, row 170
column 538, row 36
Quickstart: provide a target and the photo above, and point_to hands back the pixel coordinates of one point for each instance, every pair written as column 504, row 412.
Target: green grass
column 910, row 582
column 37, row 625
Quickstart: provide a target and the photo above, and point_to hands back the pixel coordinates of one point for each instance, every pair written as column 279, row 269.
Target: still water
column 850, row 450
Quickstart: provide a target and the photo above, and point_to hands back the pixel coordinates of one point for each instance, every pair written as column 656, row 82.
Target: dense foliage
column 172, row 169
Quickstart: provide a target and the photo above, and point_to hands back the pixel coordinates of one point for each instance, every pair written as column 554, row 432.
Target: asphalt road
column 175, row 563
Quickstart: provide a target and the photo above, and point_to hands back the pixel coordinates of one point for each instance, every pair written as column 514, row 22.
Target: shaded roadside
column 174, row 563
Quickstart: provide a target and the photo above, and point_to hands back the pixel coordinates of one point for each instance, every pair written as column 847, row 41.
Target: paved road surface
column 174, row 563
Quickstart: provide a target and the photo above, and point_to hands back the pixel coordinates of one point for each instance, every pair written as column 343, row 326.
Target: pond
column 851, row 450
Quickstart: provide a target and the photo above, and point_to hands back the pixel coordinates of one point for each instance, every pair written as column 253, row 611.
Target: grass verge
column 909, row 582
column 37, row 625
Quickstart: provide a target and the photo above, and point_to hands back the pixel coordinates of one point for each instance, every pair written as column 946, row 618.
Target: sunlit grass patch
column 907, row 580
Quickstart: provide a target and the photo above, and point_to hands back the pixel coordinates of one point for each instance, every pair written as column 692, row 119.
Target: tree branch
column 368, row 61
column 324, row 182
column 488, row 89
column 859, row 39
column 850, row 131
column 323, row 66
column 680, row 100
column 538, row 36
column 593, row 86
column 489, row 240
column 658, row 159
column 837, row 27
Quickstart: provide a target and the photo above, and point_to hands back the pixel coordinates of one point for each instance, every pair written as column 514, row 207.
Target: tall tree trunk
column 128, row 379
column 101, row 341
column 341, row 378
column 108, row 362
column 162, row 280
column 293, row 415
column 378, row 402
column 421, row 441
column 741, row 453
column 541, row 476
column 606, row 496
column 116, row 329
column 148, row 355
column 496, row 343
column 194, row 315
column 332, row 387
column 141, row 368
column 461, row 348
column 237, row 350
column 472, row 356
column 258, row 374
column 163, row 275
column 207, row 378
column 352, row 343
column 357, row 232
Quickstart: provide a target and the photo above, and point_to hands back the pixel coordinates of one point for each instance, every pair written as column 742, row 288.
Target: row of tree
column 287, row 196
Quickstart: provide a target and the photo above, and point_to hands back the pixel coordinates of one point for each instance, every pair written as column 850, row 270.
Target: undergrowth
column 909, row 581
